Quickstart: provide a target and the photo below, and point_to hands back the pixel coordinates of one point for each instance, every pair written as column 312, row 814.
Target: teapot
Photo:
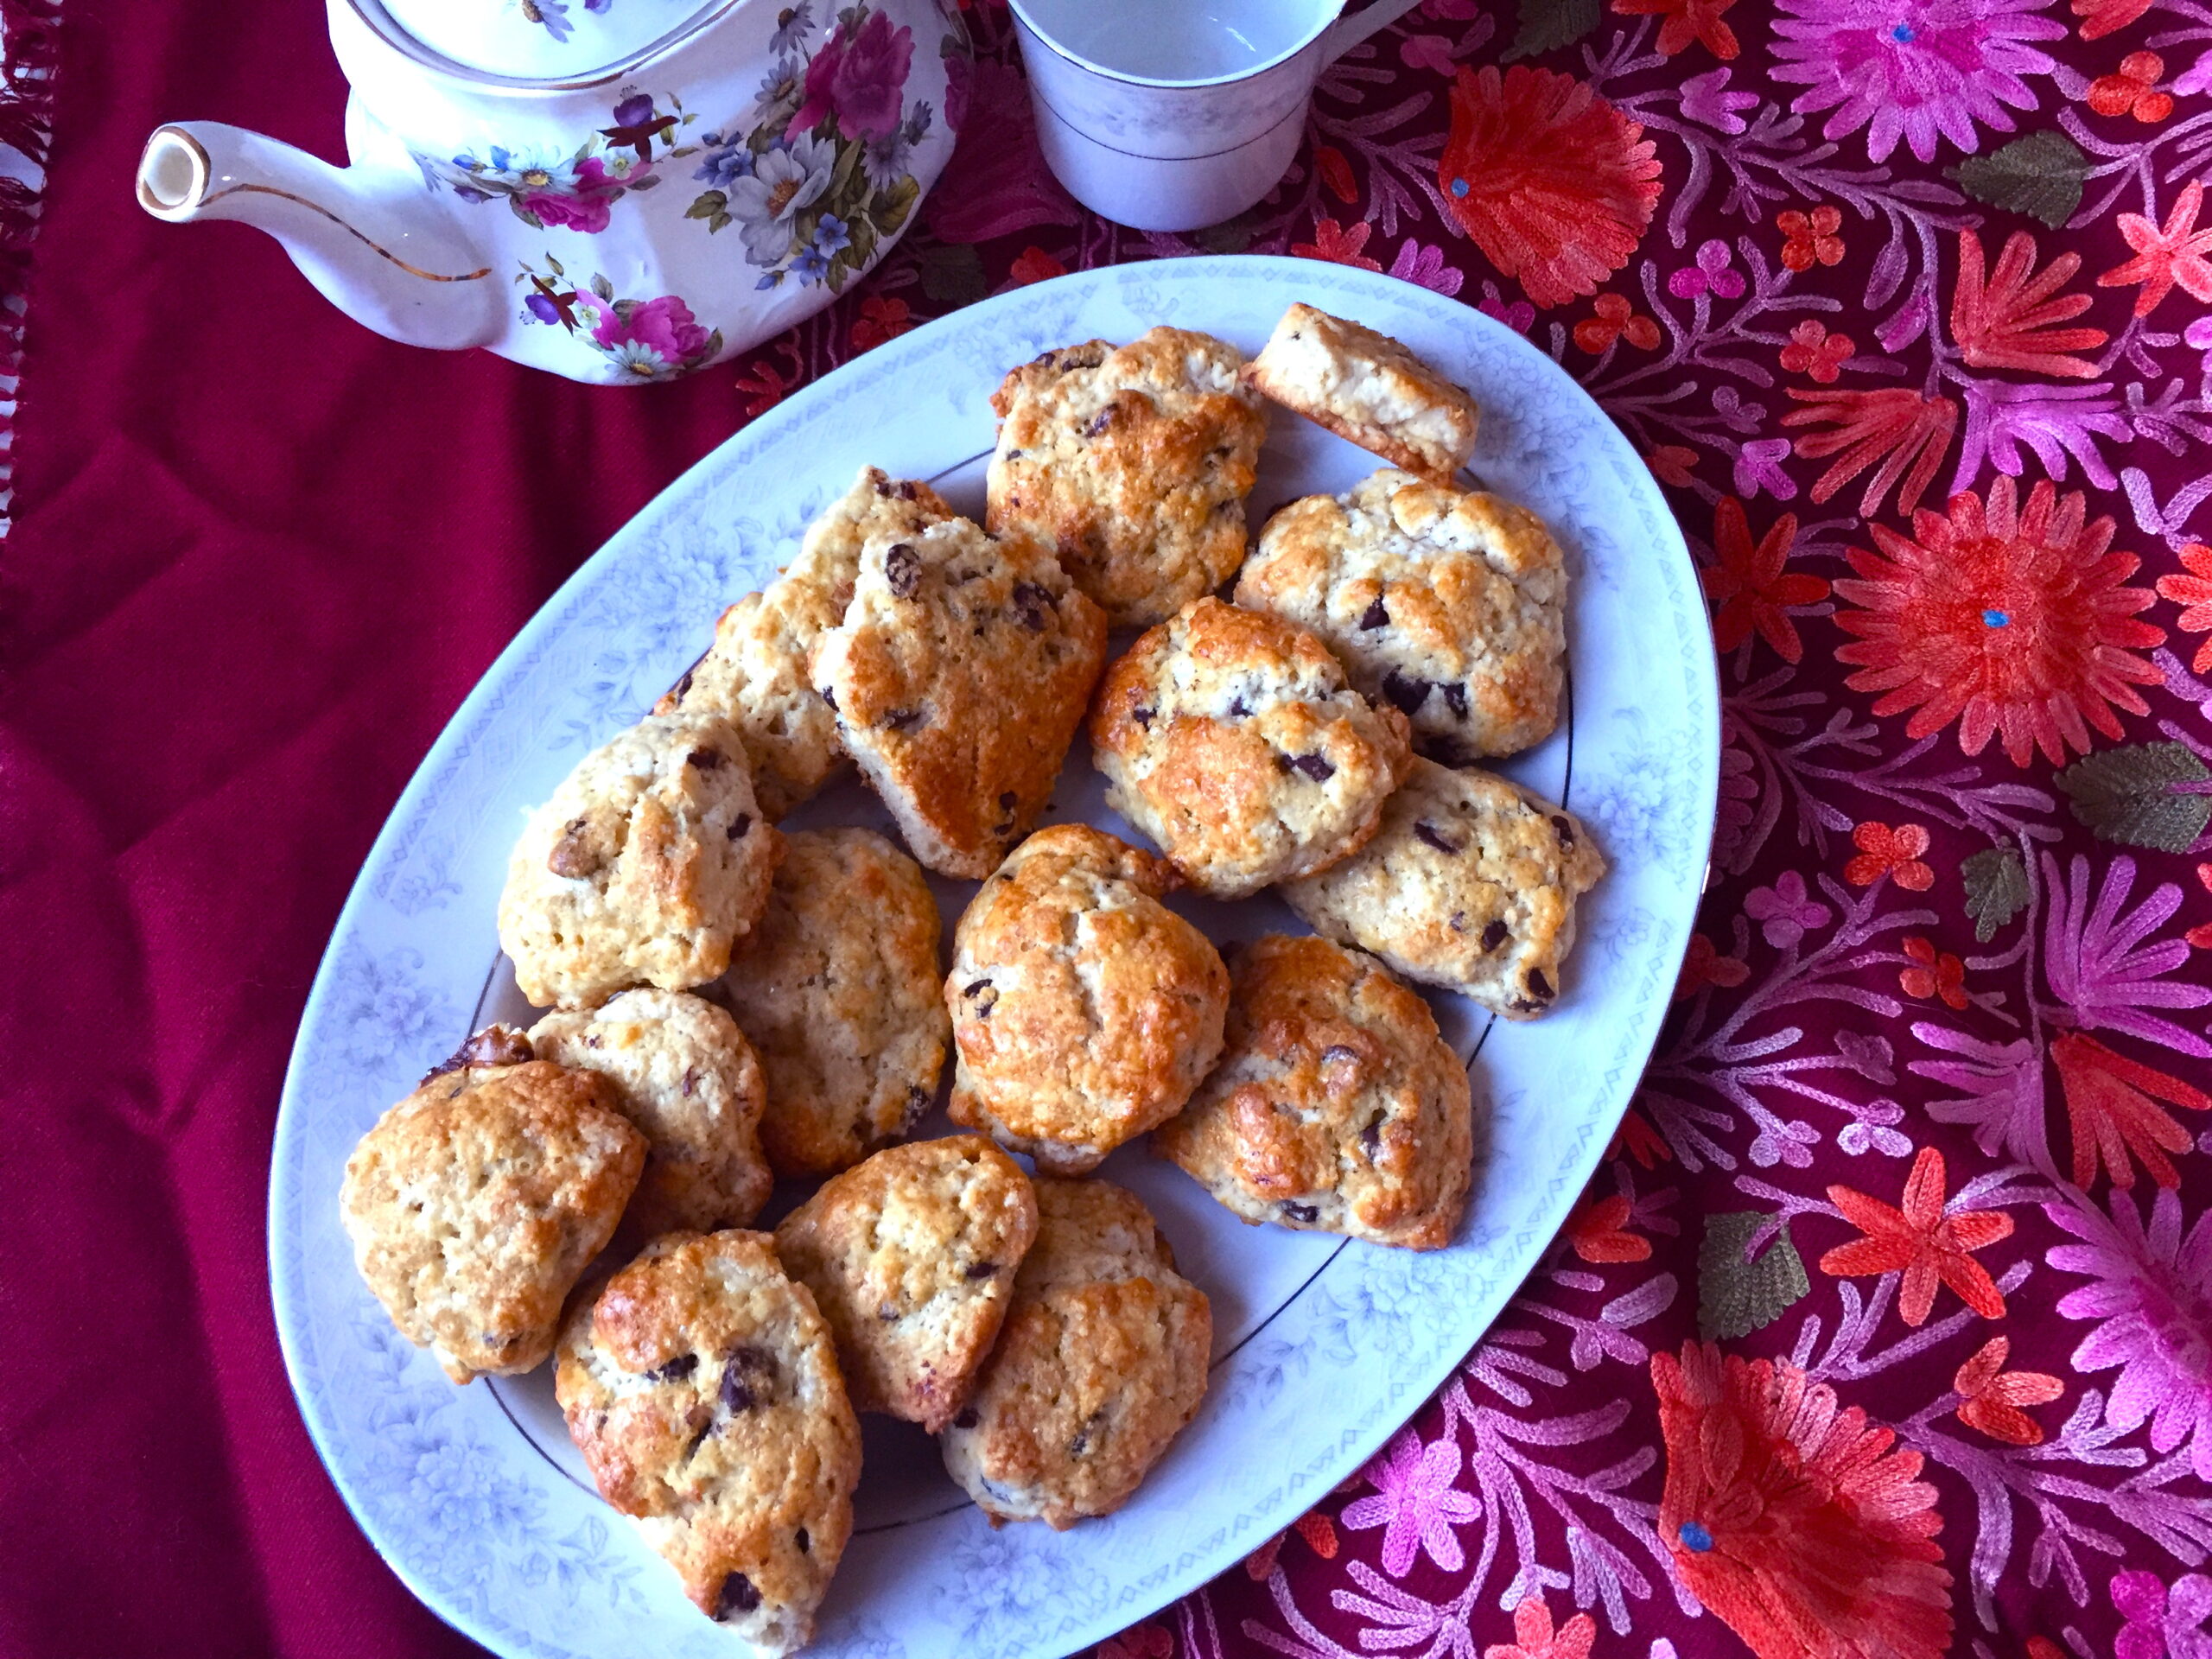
column 619, row 191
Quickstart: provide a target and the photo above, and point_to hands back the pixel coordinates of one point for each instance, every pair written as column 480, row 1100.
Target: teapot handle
column 1348, row 32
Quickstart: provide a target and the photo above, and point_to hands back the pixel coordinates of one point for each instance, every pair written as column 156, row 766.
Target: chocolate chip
column 900, row 719
column 982, row 1269
column 967, row 1419
column 1142, row 715
column 739, row 825
column 917, row 1101
column 1375, row 616
column 1336, row 1053
column 1494, row 936
column 1080, row 1444
column 1306, row 1212
column 984, row 996
column 573, row 855
column 1099, row 422
column 1011, row 455
column 1458, row 921
column 903, row 490
column 737, row 1390
column 1314, row 766
column 681, row 689
column 1407, row 695
column 1008, row 800
column 1239, row 709
column 824, row 692
column 1455, row 699
column 704, row 760
column 738, row 1596
column 493, row 1045
column 1565, row 830
column 1033, row 606
column 1539, row 985
column 675, row 1370
column 902, row 569
column 886, row 1312
column 1426, row 831
column 1370, row 1138
column 746, row 1373
column 594, row 1042
column 805, row 1544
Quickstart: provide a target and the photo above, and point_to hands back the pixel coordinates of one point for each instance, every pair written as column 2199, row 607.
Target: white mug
column 1168, row 115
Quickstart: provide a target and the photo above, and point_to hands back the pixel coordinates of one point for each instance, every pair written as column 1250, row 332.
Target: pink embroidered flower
column 1915, row 70
column 1785, row 910
column 2151, row 1297
column 1712, row 274
column 859, row 76
column 2162, row 1624
column 1519, row 315
column 1415, row 1503
column 1758, row 466
column 1416, row 263
column 2098, row 965
column 1708, row 101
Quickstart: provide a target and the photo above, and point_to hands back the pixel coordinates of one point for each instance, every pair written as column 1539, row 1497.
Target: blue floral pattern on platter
column 506, row 1547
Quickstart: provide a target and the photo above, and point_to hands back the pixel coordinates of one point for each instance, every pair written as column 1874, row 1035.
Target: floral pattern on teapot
column 577, row 191
column 644, row 339
column 819, row 173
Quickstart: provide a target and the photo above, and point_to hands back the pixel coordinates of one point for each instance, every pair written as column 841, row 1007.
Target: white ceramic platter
column 1322, row 1347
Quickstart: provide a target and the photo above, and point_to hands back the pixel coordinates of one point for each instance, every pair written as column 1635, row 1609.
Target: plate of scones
column 1004, row 983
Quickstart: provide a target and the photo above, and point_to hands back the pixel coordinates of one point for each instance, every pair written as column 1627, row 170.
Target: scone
column 476, row 1202
column 1471, row 884
column 1084, row 1010
column 686, row 1076
column 703, row 1390
column 649, row 862
column 755, row 673
column 1102, row 1362
column 911, row 1257
column 838, row 991
column 1233, row 740
column 1369, row 387
column 1131, row 463
column 1449, row 605
column 958, row 677
column 1337, row 1107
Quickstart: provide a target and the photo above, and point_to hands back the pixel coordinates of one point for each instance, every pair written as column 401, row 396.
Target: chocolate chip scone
column 1336, row 1108
column 839, row 991
column 958, row 677
column 1449, row 605
column 1366, row 387
column 1234, row 740
column 911, row 1259
column 476, row 1202
column 755, row 674
column 686, row 1076
column 1101, row 1363
column 1085, row 1011
column 648, row 863
column 1132, row 464
column 702, row 1388
column 1471, row 884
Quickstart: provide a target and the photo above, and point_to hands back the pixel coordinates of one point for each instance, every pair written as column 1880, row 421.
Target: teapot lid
column 545, row 39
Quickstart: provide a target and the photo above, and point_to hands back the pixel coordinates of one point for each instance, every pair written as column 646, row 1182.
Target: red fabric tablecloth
column 1887, row 1325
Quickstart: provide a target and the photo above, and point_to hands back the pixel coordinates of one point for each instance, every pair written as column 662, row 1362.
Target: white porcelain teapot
column 620, row 191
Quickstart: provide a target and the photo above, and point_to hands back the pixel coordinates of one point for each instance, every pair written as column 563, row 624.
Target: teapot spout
column 380, row 251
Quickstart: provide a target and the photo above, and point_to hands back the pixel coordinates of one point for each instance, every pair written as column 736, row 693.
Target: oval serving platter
column 1322, row 1346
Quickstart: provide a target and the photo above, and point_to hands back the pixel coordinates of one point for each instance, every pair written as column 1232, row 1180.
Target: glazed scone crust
column 1234, row 740
column 959, row 678
column 1131, row 463
column 1366, row 387
column 475, row 1204
column 756, row 672
column 839, row 991
column 1101, row 1363
column 701, row 1387
column 684, row 1075
column 911, row 1257
column 1336, row 1106
column 1449, row 605
column 1471, row 884
column 1084, row 1010
column 648, row 863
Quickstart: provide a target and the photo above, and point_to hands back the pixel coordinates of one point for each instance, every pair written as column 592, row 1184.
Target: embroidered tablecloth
column 1886, row 1327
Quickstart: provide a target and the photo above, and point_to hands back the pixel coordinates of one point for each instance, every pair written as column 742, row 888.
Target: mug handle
column 1348, row 32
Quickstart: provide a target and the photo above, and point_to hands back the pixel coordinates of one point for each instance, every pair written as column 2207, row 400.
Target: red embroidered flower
column 2009, row 622
column 2193, row 592
column 1807, row 239
column 2129, row 91
column 2200, row 936
column 1799, row 1522
column 2103, row 17
column 1670, row 463
column 1641, row 1142
column 1894, row 853
column 1920, row 1242
column 1616, row 319
column 1687, row 21
column 1034, row 265
column 1555, row 185
column 1936, row 973
column 1812, row 350
column 1339, row 243
column 1749, row 585
column 1703, row 965
column 1994, row 1396
column 1140, row 1642
column 1894, row 425
column 2111, row 1108
column 1315, row 1528
column 1533, row 1637
column 1336, row 172
column 1597, row 1230
column 2165, row 254
column 881, row 319
column 2002, row 319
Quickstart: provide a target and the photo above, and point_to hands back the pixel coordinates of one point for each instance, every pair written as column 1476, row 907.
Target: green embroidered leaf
column 1736, row 1297
column 2039, row 175
column 1547, row 23
column 1231, row 236
column 952, row 275
column 2126, row 794
column 1996, row 889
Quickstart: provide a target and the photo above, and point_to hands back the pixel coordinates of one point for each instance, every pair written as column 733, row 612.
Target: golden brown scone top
column 1369, row 387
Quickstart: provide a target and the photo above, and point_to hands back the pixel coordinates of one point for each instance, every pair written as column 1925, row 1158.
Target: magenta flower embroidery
column 1713, row 273
column 1708, row 101
column 1416, row 263
column 1758, row 466
column 1785, row 910
column 1916, row 70
column 2162, row 1624
column 2152, row 1302
column 859, row 76
column 1415, row 1503
column 2094, row 966
column 1520, row 315
column 2001, row 1093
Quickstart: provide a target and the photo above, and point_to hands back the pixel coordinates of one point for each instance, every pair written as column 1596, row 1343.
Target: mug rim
column 1030, row 26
